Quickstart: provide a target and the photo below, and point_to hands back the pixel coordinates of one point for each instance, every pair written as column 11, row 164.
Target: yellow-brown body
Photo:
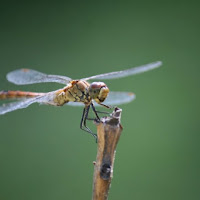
column 75, row 91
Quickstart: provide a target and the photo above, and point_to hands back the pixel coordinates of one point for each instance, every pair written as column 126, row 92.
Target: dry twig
column 108, row 132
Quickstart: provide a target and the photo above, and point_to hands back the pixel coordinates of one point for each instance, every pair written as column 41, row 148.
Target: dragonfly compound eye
column 98, row 91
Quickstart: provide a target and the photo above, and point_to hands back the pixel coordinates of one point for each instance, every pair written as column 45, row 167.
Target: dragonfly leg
column 106, row 106
column 102, row 112
column 95, row 112
column 83, row 124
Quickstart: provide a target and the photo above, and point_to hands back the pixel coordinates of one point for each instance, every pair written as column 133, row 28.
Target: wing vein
column 127, row 72
column 29, row 76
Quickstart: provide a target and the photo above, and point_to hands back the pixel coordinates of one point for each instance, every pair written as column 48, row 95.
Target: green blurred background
column 43, row 153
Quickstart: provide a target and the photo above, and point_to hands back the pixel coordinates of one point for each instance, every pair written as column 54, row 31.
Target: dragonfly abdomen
column 17, row 94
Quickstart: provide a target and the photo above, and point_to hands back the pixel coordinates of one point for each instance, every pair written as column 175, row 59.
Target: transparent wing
column 118, row 98
column 113, row 99
column 127, row 72
column 8, row 107
column 29, row 76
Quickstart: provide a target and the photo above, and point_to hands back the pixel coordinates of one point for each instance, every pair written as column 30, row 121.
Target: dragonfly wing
column 127, row 72
column 79, row 104
column 29, row 76
column 8, row 107
column 113, row 99
column 118, row 98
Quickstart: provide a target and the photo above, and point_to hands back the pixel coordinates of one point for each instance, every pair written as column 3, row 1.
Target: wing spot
column 131, row 94
column 25, row 70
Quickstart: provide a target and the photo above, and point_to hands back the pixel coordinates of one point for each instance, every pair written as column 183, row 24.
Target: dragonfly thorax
column 98, row 91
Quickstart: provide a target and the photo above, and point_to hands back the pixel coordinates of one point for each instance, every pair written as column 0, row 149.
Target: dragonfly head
column 98, row 91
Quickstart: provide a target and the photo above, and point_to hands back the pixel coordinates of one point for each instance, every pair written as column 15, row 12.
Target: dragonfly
column 76, row 92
